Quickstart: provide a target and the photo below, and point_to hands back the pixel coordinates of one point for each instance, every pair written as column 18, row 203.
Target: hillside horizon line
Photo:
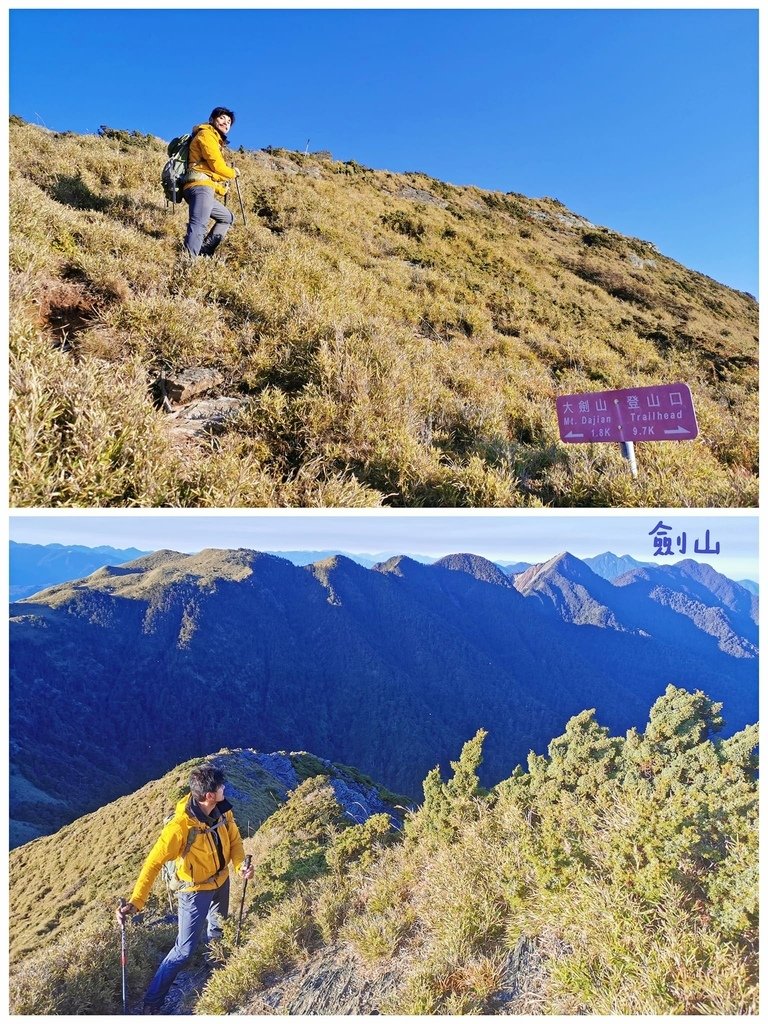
column 376, row 558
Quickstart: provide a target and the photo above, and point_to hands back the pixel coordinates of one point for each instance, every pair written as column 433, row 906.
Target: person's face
column 223, row 123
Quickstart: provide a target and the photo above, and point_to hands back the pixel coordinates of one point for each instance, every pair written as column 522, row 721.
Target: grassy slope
column 61, row 882
column 606, row 880
column 616, row 876
column 70, row 880
column 398, row 340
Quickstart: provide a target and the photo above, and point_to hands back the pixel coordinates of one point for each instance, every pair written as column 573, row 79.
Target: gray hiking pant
column 198, row 912
column 203, row 206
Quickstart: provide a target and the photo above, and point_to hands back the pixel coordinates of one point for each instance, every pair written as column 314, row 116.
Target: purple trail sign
column 661, row 413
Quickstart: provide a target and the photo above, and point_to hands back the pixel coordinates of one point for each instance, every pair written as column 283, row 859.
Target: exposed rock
column 573, row 220
column 333, row 981
column 420, row 195
column 186, row 990
column 525, row 976
column 207, row 416
column 569, row 220
column 188, row 384
column 360, row 802
column 280, row 767
column 273, row 162
column 638, row 261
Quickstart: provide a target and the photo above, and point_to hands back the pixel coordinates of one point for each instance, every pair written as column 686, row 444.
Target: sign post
column 661, row 413
column 628, row 451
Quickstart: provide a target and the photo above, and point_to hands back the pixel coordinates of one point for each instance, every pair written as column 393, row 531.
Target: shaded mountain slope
column 386, row 668
column 675, row 603
column 574, row 591
column 474, row 565
column 700, row 581
column 713, row 603
column 393, row 339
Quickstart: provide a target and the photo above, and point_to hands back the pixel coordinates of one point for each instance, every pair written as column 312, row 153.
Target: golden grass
column 398, row 341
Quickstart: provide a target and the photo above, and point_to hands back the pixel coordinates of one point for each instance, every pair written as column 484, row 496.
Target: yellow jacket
column 204, row 866
column 206, row 163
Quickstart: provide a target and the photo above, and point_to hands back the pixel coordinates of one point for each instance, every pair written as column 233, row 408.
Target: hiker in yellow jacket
column 202, row 839
column 206, row 182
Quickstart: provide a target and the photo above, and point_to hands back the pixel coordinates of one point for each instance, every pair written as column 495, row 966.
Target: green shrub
column 404, row 224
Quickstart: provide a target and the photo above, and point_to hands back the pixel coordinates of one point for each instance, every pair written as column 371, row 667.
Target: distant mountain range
column 650, row 601
column 33, row 567
column 607, row 565
column 118, row 676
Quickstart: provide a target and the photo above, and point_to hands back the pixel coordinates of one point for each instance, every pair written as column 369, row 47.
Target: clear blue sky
column 644, row 121
column 504, row 537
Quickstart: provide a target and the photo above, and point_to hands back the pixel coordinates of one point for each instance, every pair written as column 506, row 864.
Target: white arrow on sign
column 677, row 430
column 571, row 434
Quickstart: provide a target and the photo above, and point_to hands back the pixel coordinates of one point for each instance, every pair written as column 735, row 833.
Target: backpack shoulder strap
column 192, row 835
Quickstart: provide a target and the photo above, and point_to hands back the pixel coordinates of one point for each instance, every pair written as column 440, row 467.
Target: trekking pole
column 242, row 209
column 242, row 902
column 123, row 958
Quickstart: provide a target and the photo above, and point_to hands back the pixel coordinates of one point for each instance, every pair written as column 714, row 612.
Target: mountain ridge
column 257, row 784
column 32, row 567
column 384, row 668
column 38, row 556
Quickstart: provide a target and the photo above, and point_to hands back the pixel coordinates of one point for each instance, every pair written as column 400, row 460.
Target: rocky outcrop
column 208, row 416
column 335, row 981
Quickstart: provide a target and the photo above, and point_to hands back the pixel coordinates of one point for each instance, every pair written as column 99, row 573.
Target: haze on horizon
column 505, row 538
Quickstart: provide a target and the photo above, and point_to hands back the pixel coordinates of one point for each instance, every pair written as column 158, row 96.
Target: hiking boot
column 152, row 1009
column 215, row 257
